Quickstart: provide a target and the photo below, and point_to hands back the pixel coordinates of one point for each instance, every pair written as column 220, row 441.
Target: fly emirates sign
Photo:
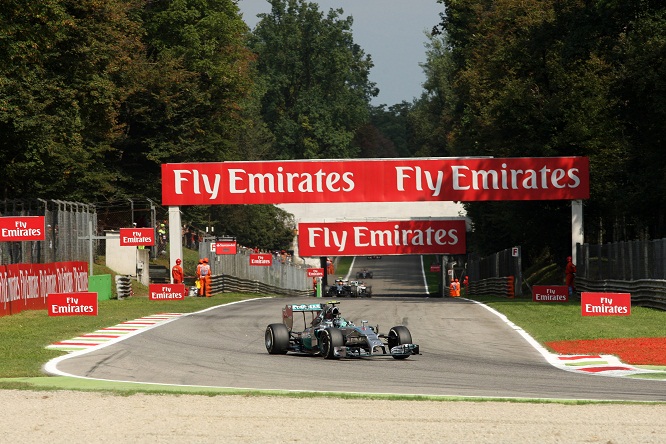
column 376, row 180
column 382, row 238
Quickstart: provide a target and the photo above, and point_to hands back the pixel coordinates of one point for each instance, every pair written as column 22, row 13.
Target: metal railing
column 280, row 275
column 66, row 223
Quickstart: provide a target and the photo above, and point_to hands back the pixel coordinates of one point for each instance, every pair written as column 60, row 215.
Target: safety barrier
column 644, row 292
column 123, row 286
column 498, row 286
column 231, row 284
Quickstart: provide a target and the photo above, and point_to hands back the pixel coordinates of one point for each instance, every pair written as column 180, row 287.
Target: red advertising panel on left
column 134, row 237
column 22, row 228
column 439, row 236
column 72, row 304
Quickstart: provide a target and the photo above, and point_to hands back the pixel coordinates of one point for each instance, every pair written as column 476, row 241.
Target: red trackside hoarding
column 376, row 180
column 22, row 228
column 437, row 236
column 26, row 286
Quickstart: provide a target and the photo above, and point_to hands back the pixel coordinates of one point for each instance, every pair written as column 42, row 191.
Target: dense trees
column 554, row 78
column 94, row 96
column 316, row 79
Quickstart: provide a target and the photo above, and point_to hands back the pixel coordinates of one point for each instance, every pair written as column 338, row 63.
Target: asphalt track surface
column 466, row 351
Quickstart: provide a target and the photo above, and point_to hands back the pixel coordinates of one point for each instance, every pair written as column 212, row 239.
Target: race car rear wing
column 289, row 310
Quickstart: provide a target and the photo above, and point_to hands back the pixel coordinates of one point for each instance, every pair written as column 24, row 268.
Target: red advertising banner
column 27, row 286
column 435, row 268
column 550, row 293
column 22, row 228
column 261, row 259
column 402, row 180
column 134, row 237
column 605, row 304
column 72, row 304
column 225, row 247
column 437, row 236
column 315, row 272
column 166, row 292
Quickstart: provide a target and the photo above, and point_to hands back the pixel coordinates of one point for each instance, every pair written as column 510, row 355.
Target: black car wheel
column 397, row 336
column 330, row 338
column 277, row 339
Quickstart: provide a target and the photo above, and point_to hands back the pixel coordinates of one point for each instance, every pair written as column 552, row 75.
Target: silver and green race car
column 326, row 333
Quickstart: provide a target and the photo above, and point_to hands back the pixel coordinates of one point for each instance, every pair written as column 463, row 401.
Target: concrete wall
column 129, row 261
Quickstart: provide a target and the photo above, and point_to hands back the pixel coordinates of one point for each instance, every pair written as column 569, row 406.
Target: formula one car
column 341, row 289
column 359, row 289
column 364, row 274
column 328, row 334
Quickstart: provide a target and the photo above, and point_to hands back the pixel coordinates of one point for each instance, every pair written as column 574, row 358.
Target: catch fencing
column 66, row 225
column 637, row 267
column 279, row 277
column 496, row 274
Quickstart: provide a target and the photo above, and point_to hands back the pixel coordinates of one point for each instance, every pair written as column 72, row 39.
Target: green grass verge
column 563, row 321
column 25, row 335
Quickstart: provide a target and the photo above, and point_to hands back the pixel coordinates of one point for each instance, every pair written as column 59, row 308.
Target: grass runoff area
column 24, row 336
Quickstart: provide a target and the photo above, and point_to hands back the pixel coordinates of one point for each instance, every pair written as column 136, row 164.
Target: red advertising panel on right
column 605, row 304
column 436, row 236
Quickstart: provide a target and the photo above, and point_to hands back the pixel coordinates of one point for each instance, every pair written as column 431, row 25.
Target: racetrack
column 466, row 351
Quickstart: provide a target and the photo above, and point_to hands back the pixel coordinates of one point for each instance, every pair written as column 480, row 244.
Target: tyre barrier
column 498, row 286
column 123, row 286
column 644, row 292
column 231, row 284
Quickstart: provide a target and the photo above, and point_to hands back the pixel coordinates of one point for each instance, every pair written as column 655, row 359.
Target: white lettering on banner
column 65, row 281
column 4, row 295
column 47, row 283
column 590, row 308
column 14, row 288
column 197, row 179
column 465, row 178
column 62, row 309
column 240, row 182
column 364, row 237
column 402, row 174
column 21, row 232
column 80, row 280
column 339, row 239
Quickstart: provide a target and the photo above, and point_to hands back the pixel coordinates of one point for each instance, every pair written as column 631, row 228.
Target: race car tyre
column 331, row 338
column 277, row 339
column 397, row 336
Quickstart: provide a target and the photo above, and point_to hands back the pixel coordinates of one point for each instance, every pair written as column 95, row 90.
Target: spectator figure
column 570, row 275
column 177, row 272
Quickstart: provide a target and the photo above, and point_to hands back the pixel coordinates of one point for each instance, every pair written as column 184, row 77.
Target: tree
column 199, row 102
column 67, row 68
column 316, row 79
column 265, row 226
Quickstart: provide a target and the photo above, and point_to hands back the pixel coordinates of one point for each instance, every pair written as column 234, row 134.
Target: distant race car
column 364, row 274
column 326, row 333
column 341, row 289
column 374, row 257
column 359, row 289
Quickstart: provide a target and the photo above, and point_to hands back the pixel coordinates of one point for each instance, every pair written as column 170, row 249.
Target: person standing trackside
column 205, row 279
column 177, row 272
column 570, row 275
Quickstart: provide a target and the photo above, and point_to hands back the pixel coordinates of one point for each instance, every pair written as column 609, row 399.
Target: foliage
column 316, row 79
column 67, row 68
column 552, row 78
column 265, row 226
column 198, row 101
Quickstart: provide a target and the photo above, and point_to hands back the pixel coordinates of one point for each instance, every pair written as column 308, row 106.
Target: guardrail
column 497, row 286
column 231, row 284
column 644, row 292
